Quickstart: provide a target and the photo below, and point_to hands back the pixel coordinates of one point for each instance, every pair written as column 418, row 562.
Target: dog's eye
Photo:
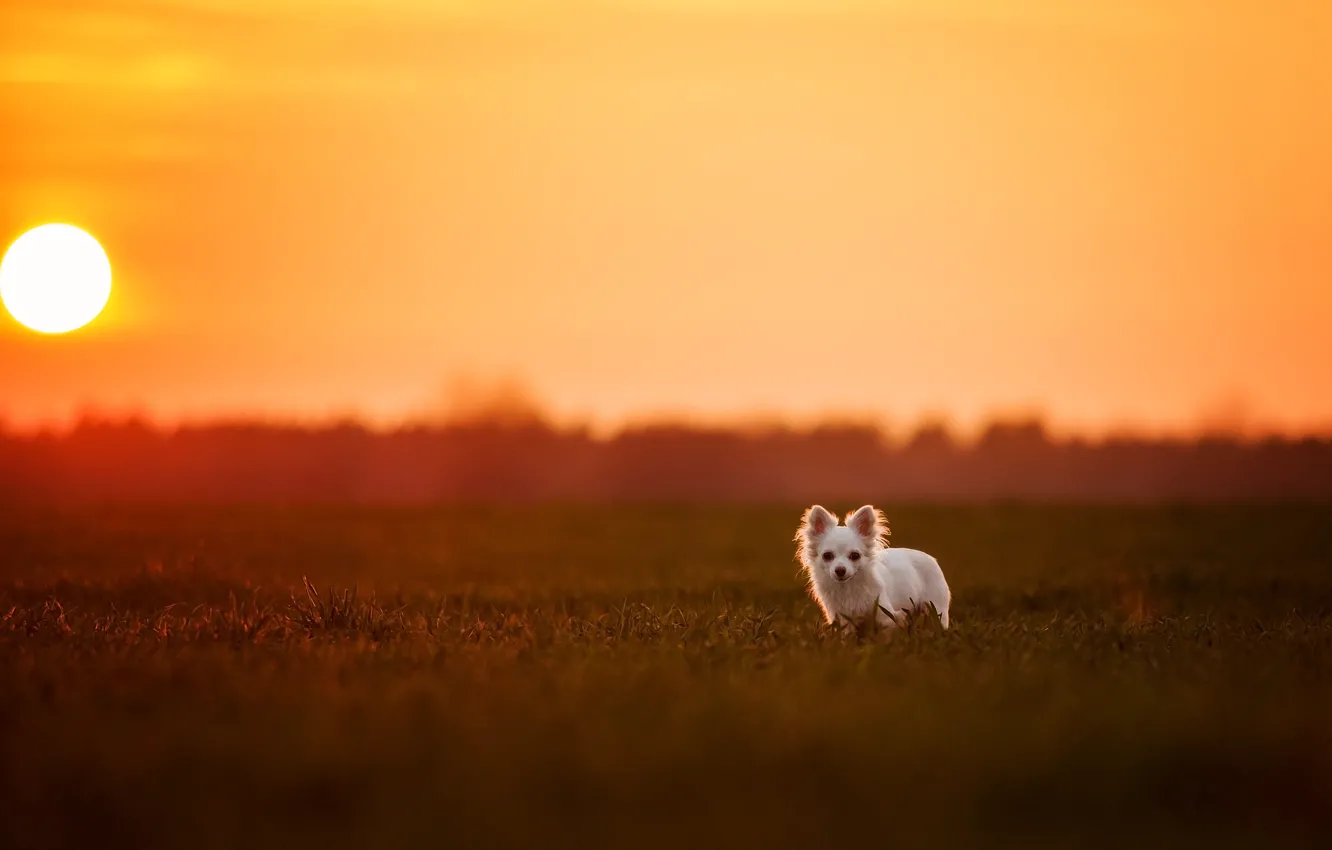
column 855, row 556
column 827, row 556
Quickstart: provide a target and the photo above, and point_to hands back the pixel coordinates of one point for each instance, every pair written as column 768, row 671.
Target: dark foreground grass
column 655, row 677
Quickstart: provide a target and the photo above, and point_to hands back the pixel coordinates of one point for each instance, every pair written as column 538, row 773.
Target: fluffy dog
column 853, row 572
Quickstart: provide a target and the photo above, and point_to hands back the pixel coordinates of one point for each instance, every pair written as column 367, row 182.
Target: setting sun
column 55, row 278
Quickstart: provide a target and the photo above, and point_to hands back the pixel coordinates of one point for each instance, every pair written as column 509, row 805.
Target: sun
column 55, row 278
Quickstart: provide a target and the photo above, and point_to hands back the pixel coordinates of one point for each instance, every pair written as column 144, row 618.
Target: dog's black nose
column 840, row 572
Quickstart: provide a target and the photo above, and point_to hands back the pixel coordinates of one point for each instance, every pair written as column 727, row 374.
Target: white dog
column 852, row 571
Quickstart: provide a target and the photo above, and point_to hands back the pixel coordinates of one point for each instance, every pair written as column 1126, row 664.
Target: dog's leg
column 890, row 618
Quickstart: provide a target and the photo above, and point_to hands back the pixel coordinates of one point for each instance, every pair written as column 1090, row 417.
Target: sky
column 1116, row 212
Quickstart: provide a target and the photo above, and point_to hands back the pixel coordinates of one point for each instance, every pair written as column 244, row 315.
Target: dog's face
column 840, row 551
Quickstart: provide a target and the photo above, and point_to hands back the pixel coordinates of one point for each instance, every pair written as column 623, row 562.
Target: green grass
column 655, row 676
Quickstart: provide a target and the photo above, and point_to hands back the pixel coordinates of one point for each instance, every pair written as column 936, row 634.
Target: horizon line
column 752, row 424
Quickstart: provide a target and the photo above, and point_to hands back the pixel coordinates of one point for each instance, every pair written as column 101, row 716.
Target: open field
column 654, row 676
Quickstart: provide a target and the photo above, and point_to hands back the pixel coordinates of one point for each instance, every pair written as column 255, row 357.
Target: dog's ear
column 816, row 522
column 867, row 522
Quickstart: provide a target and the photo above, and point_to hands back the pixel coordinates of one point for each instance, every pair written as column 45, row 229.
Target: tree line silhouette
column 528, row 459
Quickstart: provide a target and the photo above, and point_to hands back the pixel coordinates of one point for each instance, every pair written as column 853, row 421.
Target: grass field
column 656, row 677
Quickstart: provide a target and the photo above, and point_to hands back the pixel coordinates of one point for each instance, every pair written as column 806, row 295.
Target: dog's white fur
column 852, row 571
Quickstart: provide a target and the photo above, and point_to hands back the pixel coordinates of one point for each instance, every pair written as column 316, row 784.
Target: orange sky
column 1117, row 211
